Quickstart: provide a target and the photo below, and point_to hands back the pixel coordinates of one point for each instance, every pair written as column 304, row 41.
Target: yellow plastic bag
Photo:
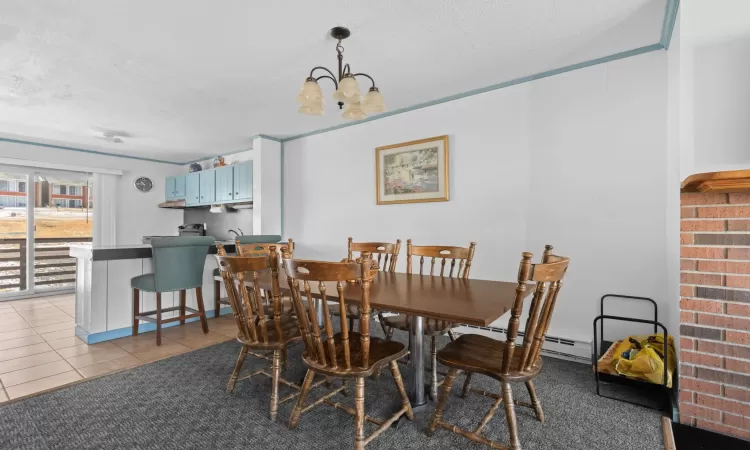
column 642, row 358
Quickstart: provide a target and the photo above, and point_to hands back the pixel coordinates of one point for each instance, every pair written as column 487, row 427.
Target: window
column 4, row 185
column 21, row 186
column 74, row 190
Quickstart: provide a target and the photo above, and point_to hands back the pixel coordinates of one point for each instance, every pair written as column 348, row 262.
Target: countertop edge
column 119, row 253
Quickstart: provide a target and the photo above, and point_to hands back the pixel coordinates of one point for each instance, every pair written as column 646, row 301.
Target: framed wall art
column 412, row 172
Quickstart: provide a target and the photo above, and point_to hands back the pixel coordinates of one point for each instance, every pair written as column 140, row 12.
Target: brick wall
column 715, row 312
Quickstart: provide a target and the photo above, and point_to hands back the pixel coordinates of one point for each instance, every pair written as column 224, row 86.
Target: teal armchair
column 178, row 266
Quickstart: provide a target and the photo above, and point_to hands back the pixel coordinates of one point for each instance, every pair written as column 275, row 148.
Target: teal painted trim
column 526, row 79
column 93, row 152
column 265, row 136
column 282, row 188
column 142, row 328
column 670, row 17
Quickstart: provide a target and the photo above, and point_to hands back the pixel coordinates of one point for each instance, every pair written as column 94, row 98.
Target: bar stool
column 178, row 266
column 241, row 240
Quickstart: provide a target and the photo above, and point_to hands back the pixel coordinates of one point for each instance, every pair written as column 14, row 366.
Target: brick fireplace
column 715, row 312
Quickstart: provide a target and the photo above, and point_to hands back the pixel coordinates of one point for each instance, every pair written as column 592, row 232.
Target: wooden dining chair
column 433, row 327
column 387, row 257
column 247, row 249
column 345, row 355
column 257, row 332
column 473, row 353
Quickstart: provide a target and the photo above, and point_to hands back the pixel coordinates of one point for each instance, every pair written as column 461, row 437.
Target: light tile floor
column 39, row 350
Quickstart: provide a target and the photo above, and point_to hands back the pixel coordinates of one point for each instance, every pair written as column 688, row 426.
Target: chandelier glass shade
column 347, row 91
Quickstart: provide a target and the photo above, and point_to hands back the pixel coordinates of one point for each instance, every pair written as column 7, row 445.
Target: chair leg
column 389, row 334
column 284, row 359
column 535, row 403
column 201, row 308
column 359, row 422
column 158, row 318
column 351, row 324
column 467, row 385
column 183, row 295
column 445, row 390
column 276, row 369
column 136, row 310
column 510, row 415
column 237, row 369
column 217, row 298
column 294, row 419
column 401, row 390
column 381, row 320
column 434, row 382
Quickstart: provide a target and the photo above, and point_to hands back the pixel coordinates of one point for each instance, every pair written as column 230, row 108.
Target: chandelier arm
column 346, row 70
column 330, row 78
column 365, row 75
column 322, row 68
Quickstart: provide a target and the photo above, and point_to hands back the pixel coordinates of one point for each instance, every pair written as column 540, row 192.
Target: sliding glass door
column 41, row 215
column 62, row 216
column 16, row 232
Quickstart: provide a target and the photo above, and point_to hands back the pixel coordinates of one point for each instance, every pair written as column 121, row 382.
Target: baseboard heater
column 554, row 346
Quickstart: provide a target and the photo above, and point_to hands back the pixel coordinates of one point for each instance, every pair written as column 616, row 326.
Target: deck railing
column 53, row 265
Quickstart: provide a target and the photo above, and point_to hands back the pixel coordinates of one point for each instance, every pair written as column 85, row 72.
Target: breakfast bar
column 104, row 296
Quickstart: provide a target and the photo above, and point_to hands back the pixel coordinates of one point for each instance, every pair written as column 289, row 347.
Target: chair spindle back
column 548, row 277
column 463, row 254
column 386, row 252
column 326, row 274
column 247, row 303
column 259, row 249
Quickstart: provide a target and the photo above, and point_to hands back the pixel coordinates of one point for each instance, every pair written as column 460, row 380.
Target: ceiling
column 178, row 80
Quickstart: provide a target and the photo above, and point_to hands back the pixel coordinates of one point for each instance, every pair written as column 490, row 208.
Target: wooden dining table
column 458, row 300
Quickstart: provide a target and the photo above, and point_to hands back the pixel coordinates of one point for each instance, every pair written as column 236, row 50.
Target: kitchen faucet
column 235, row 233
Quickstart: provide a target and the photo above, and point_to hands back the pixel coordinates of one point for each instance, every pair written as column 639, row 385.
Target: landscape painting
column 412, row 172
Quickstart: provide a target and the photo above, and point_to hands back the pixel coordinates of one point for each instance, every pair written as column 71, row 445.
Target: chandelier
column 347, row 88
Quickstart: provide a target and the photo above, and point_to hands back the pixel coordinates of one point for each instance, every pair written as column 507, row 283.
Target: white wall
column 599, row 185
column 330, row 184
column 137, row 213
column 577, row 160
column 715, row 94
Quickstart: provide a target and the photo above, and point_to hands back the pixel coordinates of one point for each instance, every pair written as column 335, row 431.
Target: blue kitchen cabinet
column 179, row 187
column 224, row 184
column 207, row 186
column 175, row 188
column 169, row 188
column 243, row 181
column 192, row 188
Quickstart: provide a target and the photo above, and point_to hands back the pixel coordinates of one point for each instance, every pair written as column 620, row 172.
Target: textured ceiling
column 181, row 79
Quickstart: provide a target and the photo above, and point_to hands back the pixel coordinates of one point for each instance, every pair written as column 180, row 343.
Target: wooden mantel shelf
column 728, row 181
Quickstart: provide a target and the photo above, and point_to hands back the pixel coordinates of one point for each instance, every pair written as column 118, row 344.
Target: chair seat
column 381, row 352
column 289, row 332
column 482, row 354
column 432, row 327
column 145, row 282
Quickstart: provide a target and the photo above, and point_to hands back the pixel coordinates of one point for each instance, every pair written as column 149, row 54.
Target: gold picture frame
column 413, row 172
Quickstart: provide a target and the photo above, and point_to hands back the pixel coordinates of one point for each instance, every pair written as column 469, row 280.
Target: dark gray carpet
column 180, row 403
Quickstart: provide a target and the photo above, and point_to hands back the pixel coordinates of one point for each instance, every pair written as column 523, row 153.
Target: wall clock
column 143, row 184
